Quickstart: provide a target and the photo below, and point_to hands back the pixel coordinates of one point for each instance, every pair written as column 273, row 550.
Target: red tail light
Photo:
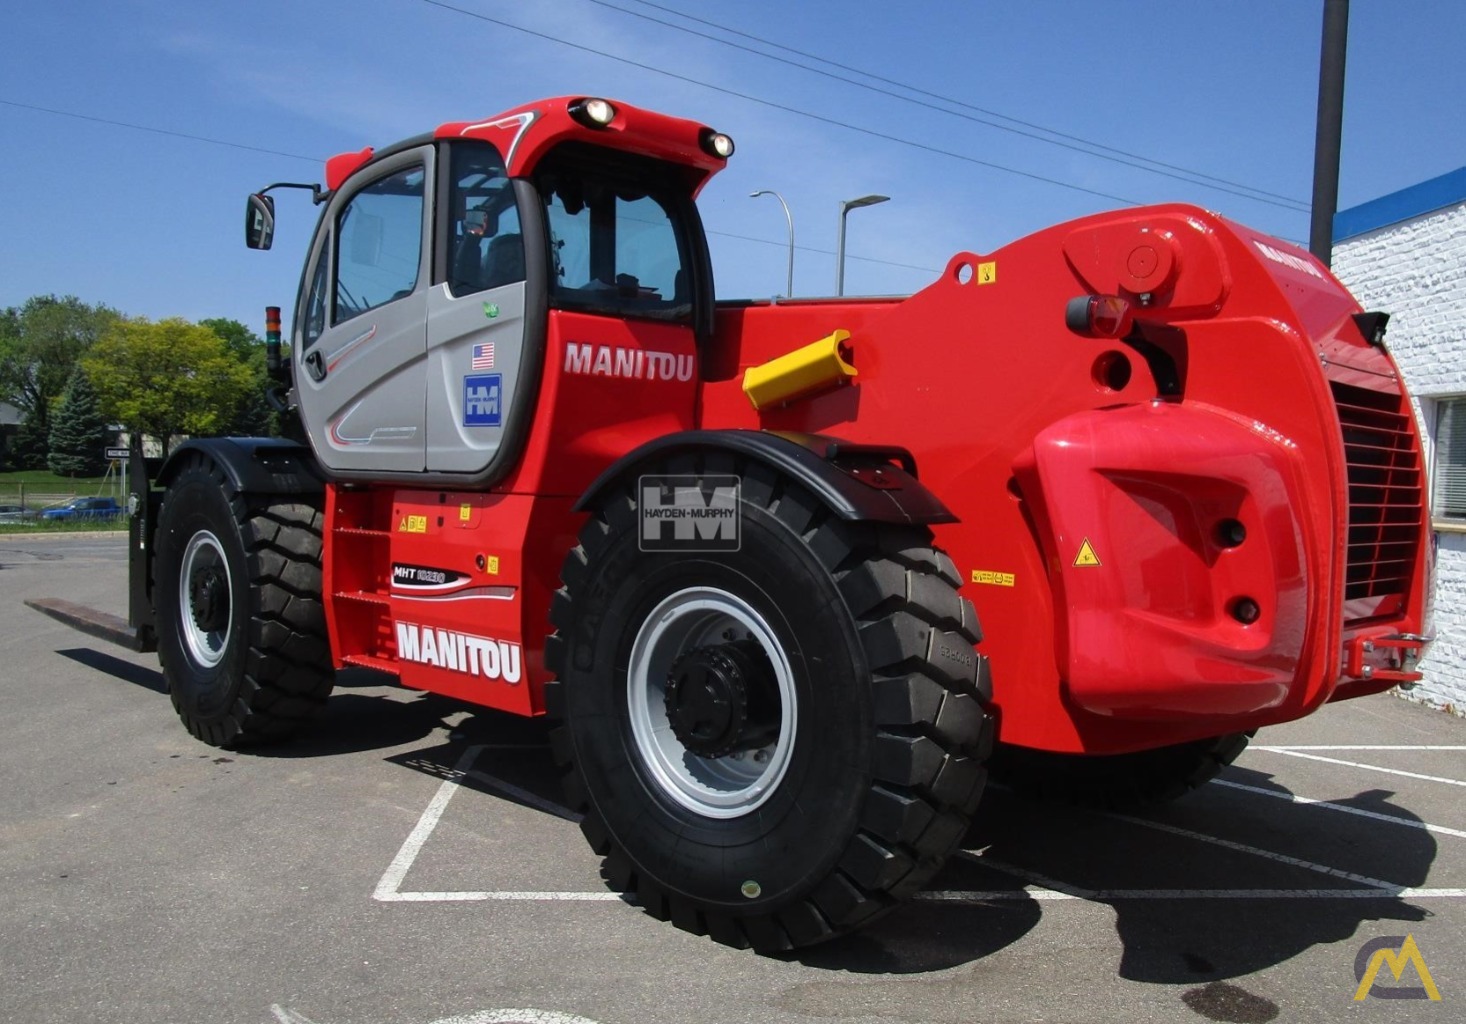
column 1107, row 316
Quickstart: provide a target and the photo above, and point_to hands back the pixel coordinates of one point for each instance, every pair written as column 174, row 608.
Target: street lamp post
column 845, row 207
column 789, row 289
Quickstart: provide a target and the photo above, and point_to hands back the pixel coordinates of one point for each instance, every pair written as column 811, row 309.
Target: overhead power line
column 827, row 252
column 1074, row 142
column 158, row 131
column 835, row 122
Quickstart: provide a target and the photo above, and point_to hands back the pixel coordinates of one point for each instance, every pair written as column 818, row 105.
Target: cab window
column 617, row 243
column 379, row 244
column 315, row 303
column 486, row 249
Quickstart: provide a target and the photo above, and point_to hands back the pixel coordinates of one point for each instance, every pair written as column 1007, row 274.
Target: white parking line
column 530, row 1016
column 1330, row 805
column 1291, row 752
column 989, row 895
column 1280, row 858
column 285, row 1015
column 1312, row 746
column 388, row 886
column 603, row 896
column 1048, row 888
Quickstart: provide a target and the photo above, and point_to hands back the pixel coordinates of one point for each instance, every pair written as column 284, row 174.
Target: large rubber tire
column 876, row 767
column 1116, row 781
column 237, row 596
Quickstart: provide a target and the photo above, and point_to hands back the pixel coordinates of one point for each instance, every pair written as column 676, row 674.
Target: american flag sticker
column 483, row 356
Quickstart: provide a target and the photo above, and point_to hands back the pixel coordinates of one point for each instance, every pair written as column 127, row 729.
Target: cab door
column 482, row 368
column 360, row 334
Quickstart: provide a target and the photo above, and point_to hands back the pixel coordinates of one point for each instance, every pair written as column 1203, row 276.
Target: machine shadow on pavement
column 367, row 711
column 1198, row 873
column 1189, row 883
column 117, row 668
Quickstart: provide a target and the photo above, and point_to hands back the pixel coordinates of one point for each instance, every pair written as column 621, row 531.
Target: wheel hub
column 208, row 598
column 707, row 681
column 723, row 698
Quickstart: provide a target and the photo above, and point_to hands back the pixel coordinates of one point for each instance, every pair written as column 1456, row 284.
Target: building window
column 1450, row 461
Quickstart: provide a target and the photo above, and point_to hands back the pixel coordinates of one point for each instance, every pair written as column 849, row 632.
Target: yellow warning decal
column 491, row 566
column 1086, row 556
column 992, row 579
column 464, row 512
column 987, row 273
column 413, row 524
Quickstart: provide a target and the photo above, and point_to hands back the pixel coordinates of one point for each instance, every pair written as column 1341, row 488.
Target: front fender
column 256, row 465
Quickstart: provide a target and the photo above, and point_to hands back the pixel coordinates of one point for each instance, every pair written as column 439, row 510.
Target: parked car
column 16, row 514
column 85, row 508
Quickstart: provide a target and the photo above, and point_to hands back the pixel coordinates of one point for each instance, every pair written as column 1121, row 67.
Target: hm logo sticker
column 686, row 512
column 482, row 400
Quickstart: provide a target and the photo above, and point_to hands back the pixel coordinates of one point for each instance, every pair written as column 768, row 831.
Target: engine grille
column 1386, row 499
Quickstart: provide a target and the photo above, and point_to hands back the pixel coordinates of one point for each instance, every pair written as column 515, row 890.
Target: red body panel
column 1027, row 432
column 608, row 387
column 1100, row 484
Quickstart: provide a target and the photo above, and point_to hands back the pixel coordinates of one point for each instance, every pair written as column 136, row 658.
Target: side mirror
column 259, row 221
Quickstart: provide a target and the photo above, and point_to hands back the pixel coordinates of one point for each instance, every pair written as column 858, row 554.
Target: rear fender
column 859, row 483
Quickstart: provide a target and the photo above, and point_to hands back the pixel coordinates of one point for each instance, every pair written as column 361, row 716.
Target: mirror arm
column 318, row 195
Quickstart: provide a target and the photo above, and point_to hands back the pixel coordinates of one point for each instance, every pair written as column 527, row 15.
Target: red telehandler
column 740, row 550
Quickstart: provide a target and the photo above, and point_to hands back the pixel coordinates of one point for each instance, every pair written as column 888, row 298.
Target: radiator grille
column 1386, row 499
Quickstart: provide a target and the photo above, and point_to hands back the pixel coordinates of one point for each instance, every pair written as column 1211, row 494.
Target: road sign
column 118, row 453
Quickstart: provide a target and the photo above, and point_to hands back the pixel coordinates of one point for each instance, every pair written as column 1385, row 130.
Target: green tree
column 40, row 343
column 78, row 430
column 165, row 378
column 254, row 417
column 237, row 337
column 28, row 450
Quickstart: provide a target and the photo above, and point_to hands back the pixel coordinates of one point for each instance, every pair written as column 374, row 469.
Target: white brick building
column 1405, row 253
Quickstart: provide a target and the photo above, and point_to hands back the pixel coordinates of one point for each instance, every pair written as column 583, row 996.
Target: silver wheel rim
column 207, row 646
column 723, row 787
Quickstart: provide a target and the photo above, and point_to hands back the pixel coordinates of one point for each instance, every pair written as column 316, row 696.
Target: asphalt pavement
column 408, row 862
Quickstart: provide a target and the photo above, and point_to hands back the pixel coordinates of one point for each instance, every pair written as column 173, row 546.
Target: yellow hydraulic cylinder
column 805, row 371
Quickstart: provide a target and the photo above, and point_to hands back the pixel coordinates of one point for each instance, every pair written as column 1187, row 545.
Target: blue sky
column 151, row 223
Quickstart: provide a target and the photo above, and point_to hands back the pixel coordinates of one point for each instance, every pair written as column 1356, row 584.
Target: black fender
column 857, row 482
column 253, row 465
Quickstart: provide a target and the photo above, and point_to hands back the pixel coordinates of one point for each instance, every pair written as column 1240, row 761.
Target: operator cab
column 439, row 271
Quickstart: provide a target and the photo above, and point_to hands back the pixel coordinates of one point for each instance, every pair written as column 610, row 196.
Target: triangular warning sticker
column 1086, row 555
